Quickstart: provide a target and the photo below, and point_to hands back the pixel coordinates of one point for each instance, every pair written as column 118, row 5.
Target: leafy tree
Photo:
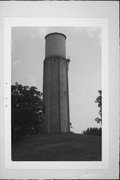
column 96, row 131
column 99, row 101
column 26, row 110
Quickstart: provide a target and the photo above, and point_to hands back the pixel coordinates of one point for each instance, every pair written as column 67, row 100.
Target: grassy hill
column 59, row 147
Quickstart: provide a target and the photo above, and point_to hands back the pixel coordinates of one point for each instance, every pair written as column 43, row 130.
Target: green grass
column 60, row 147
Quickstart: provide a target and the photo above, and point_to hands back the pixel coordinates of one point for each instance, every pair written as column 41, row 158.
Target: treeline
column 26, row 114
column 93, row 131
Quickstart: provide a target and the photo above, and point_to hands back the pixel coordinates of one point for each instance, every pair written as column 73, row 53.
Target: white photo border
column 66, row 22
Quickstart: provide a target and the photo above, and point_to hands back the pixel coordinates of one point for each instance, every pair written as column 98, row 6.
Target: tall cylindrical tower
column 55, row 85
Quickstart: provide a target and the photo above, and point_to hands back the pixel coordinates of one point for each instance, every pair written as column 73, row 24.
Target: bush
column 93, row 131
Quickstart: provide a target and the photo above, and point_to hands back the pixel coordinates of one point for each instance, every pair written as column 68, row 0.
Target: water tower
column 55, row 85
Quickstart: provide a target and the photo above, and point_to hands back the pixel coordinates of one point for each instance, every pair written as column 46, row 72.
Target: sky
column 83, row 47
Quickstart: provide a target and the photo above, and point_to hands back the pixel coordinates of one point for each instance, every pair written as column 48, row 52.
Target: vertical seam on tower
column 43, row 123
column 59, row 95
column 49, row 130
column 68, row 123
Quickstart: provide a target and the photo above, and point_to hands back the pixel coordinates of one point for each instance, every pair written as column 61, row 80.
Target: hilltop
column 59, row 147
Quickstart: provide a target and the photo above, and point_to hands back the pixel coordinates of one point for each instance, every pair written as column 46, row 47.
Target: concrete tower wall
column 55, row 89
column 64, row 105
column 54, row 96
column 46, row 97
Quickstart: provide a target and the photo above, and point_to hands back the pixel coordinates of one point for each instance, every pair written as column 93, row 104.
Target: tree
column 99, row 101
column 93, row 131
column 96, row 131
column 26, row 110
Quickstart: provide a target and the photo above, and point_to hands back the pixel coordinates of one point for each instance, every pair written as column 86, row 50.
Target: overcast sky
column 83, row 47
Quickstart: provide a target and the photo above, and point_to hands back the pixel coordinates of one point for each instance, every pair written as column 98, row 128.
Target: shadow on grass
column 60, row 147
